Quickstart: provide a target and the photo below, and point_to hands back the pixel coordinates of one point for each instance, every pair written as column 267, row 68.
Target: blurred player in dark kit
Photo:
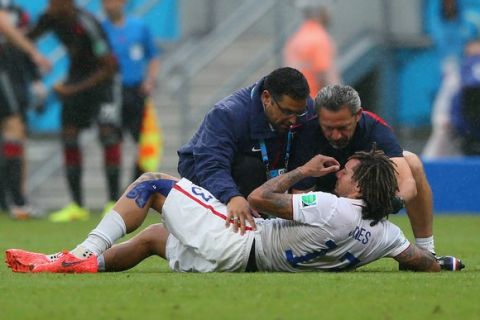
column 89, row 94
column 18, row 74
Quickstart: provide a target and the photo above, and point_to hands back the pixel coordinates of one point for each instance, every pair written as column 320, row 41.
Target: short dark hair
column 334, row 97
column 287, row 81
column 376, row 178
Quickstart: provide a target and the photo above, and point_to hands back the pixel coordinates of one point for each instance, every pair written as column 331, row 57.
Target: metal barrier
column 193, row 58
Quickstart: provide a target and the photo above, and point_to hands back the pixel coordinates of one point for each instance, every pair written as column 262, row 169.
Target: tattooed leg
column 128, row 213
column 148, row 191
column 142, row 190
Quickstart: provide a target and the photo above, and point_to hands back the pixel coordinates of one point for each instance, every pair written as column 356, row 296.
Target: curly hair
column 376, row 178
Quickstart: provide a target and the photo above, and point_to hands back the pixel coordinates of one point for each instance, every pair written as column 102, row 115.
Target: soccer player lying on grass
column 317, row 231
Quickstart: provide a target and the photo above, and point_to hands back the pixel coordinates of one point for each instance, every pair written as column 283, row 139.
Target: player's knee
column 109, row 136
column 146, row 176
column 70, row 142
column 70, row 137
column 151, row 176
column 148, row 185
column 110, row 139
column 13, row 128
column 154, row 238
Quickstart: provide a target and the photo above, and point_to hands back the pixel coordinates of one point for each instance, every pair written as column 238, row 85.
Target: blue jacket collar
column 259, row 125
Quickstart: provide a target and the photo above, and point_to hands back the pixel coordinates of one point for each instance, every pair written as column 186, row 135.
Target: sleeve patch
column 309, row 200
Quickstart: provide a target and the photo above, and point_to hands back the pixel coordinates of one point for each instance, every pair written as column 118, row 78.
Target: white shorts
column 199, row 240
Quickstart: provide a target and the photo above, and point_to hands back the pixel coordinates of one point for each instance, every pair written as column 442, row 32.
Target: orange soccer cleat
column 68, row 263
column 22, row 261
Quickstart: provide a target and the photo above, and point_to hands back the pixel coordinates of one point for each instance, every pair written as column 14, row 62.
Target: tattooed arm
column 271, row 197
column 415, row 259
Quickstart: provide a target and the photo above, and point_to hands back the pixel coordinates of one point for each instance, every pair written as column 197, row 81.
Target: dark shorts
column 133, row 107
column 100, row 104
column 13, row 96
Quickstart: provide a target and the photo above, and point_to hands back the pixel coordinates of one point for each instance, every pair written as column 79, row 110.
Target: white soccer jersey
column 328, row 233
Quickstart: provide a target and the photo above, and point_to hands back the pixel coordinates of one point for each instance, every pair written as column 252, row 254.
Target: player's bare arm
column 271, row 197
column 406, row 182
column 416, row 259
column 19, row 40
column 107, row 68
column 150, row 82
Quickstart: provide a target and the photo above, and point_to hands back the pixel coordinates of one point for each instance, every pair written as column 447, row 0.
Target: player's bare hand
column 148, row 86
column 238, row 213
column 63, row 90
column 319, row 166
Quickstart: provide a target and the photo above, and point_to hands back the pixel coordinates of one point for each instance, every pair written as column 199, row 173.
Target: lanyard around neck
column 263, row 149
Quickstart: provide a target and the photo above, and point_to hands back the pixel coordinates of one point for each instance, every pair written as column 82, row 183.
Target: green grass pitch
column 152, row 291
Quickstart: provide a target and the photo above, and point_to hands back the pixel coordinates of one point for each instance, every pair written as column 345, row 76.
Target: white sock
column 426, row 243
column 110, row 229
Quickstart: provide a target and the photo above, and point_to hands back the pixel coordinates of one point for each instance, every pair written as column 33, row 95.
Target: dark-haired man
column 343, row 128
column 89, row 94
column 247, row 138
column 317, row 231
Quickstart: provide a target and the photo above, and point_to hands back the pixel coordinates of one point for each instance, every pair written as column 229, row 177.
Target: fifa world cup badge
column 309, row 200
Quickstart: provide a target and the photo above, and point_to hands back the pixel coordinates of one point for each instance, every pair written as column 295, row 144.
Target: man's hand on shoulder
column 238, row 213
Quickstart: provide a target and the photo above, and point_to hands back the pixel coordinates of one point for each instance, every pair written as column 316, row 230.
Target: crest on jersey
column 309, row 200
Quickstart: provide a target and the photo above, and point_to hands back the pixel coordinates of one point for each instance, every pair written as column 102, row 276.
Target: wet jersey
column 327, row 233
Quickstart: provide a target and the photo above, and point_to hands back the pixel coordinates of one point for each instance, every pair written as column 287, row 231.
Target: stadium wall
column 455, row 184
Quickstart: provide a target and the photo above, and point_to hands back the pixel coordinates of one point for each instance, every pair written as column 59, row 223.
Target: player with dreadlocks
column 318, row 231
column 376, row 172
column 342, row 128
